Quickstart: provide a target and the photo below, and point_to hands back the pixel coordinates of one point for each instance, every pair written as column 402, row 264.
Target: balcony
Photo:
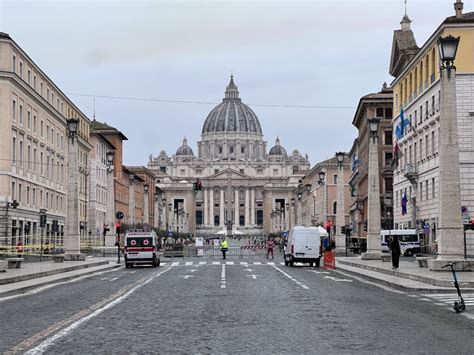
column 409, row 171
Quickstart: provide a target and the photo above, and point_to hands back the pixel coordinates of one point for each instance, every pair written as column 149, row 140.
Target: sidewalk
column 35, row 274
column 408, row 276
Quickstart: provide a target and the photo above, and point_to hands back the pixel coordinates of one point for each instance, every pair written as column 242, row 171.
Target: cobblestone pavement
column 239, row 305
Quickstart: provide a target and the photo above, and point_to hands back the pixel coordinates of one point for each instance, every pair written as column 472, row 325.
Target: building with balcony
column 416, row 89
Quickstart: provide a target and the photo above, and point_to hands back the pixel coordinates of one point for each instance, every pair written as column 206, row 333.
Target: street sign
column 285, row 234
column 170, row 233
column 466, row 220
column 119, row 215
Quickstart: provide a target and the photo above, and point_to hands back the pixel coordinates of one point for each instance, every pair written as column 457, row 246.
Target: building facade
column 417, row 90
column 34, row 150
column 373, row 105
column 242, row 183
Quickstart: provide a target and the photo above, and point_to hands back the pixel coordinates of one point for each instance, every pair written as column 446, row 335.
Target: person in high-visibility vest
column 224, row 247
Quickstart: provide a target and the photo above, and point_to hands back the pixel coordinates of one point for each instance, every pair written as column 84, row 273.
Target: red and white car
column 141, row 247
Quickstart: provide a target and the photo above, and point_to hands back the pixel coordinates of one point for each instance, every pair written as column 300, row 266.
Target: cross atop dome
column 231, row 92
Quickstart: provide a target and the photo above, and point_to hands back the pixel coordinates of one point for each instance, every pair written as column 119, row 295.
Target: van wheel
column 154, row 263
column 310, row 264
column 291, row 262
column 317, row 262
column 286, row 262
column 127, row 265
column 409, row 252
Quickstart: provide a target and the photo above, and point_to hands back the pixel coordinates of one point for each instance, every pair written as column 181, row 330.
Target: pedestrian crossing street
column 222, row 262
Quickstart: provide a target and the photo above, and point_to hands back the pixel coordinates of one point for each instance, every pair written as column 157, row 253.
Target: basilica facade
column 244, row 186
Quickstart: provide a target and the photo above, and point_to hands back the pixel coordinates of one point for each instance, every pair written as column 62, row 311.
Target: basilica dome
column 277, row 149
column 232, row 115
column 185, row 149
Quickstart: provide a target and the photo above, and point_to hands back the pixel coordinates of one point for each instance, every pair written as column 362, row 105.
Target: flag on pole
column 400, row 130
column 355, row 162
column 352, row 188
column 396, row 154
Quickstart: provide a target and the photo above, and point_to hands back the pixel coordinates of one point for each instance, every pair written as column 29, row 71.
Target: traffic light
column 43, row 220
column 365, row 226
column 195, row 188
column 14, row 204
column 348, row 231
column 199, row 184
column 117, row 228
column 343, row 230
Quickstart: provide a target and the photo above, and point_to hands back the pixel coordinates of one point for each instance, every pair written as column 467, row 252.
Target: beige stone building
column 242, row 182
column 33, row 149
column 379, row 105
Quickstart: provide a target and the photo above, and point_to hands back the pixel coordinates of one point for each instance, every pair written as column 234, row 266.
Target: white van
column 303, row 246
column 141, row 247
column 409, row 240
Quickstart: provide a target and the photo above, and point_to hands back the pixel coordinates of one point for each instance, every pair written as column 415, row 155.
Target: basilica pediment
column 234, row 175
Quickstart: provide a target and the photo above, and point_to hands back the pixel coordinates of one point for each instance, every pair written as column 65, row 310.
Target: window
column 433, row 143
column 241, row 171
column 29, row 119
column 414, row 149
column 426, row 110
column 14, row 150
column 14, row 63
column 421, row 148
column 426, row 189
column 334, row 207
column 33, row 197
column 34, row 159
column 13, row 191
column 182, row 172
column 19, row 193
column 216, row 171
column 426, row 146
column 379, row 112
column 21, row 153
column 29, row 157
column 421, row 191
column 220, row 150
column 433, row 188
column 14, row 110
column 21, row 70
column 34, row 123
column 388, row 158
column 41, row 88
column 388, row 113
column 231, row 150
column 334, row 179
column 21, row 114
column 421, row 114
column 416, row 118
column 42, row 129
column 388, row 137
column 162, row 168
column 295, row 169
column 27, row 195
column 275, row 171
column 242, row 149
column 47, row 94
column 388, row 184
column 34, row 82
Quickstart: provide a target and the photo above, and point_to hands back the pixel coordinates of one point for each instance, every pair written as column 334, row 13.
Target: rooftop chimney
column 458, row 6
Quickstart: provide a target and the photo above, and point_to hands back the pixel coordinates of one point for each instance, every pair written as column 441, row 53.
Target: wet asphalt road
column 203, row 306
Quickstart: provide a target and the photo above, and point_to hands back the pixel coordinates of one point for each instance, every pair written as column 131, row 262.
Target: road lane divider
column 223, row 281
column 290, row 277
column 50, row 335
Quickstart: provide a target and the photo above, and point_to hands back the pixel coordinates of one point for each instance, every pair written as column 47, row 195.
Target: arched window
column 334, row 207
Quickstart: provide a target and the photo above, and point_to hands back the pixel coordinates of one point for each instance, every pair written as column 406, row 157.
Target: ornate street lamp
column 145, row 188
column 340, row 158
column 322, row 175
column 72, row 125
column 308, row 187
column 132, row 178
column 110, row 158
column 447, row 47
column 374, row 127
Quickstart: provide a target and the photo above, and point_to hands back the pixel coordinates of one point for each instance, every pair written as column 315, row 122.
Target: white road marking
column 249, row 270
column 336, row 279
column 319, row 272
column 253, row 276
column 257, row 263
column 113, row 279
column 193, row 270
column 202, row 263
column 229, row 263
column 187, row 276
column 216, row 263
column 223, row 276
column 175, row 263
column 291, row 277
column 282, row 263
column 244, row 263
column 386, row 288
column 52, row 339
column 270, row 263
column 188, row 263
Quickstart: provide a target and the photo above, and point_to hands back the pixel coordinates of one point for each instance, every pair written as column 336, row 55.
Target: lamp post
column 131, row 198
column 73, row 239
column 307, row 209
column 340, row 211
column 292, row 214
column 146, row 204
column 298, row 208
column 450, row 231
column 287, row 215
column 373, row 199
column 110, row 214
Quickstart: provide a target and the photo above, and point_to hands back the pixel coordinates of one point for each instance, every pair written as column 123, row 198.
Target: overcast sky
column 317, row 53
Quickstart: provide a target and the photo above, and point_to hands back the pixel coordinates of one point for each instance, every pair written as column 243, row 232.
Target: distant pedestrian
column 270, row 245
column 396, row 251
column 19, row 248
column 224, row 247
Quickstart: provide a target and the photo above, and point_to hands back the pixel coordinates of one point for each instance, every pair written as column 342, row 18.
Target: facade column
column 450, row 229
column 340, row 213
column 252, row 207
column 72, row 241
column 236, row 207
column 131, row 202
column 374, row 251
column 211, row 207
column 146, row 208
column 206, row 208
column 221, row 209
column 247, row 207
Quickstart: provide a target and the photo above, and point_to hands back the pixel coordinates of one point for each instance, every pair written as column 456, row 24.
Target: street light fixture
column 308, row 187
column 374, row 126
column 447, row 47
column 145, row 188
column 322, row 175
column 110, row 158
column 340, row 158
column 132, row 178
column 72, row 124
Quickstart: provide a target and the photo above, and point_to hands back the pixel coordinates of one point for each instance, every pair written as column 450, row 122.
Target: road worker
column 224, row 247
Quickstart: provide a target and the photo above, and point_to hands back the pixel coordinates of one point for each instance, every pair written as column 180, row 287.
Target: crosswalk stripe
column 175, row 263
column 229, row 263
column 257, row 263
column 216, row 263
column 244, row 263
column 202, row 263
column 270, row 263
column 189, row 263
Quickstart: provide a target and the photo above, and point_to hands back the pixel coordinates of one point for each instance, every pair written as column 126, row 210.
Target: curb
column 60, row 278
column 397, row 286
column 399, row 274
column 36, row 275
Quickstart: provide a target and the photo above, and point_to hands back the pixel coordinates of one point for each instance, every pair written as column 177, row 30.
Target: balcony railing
column 409, row 170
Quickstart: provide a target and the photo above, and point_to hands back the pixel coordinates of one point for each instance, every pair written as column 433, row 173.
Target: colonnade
column 209, row 211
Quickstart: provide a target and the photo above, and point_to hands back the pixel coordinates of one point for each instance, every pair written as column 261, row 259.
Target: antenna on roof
column 405, row 7
column 94, row 108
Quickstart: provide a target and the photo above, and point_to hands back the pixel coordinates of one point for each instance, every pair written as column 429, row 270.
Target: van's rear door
column 312, row 244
